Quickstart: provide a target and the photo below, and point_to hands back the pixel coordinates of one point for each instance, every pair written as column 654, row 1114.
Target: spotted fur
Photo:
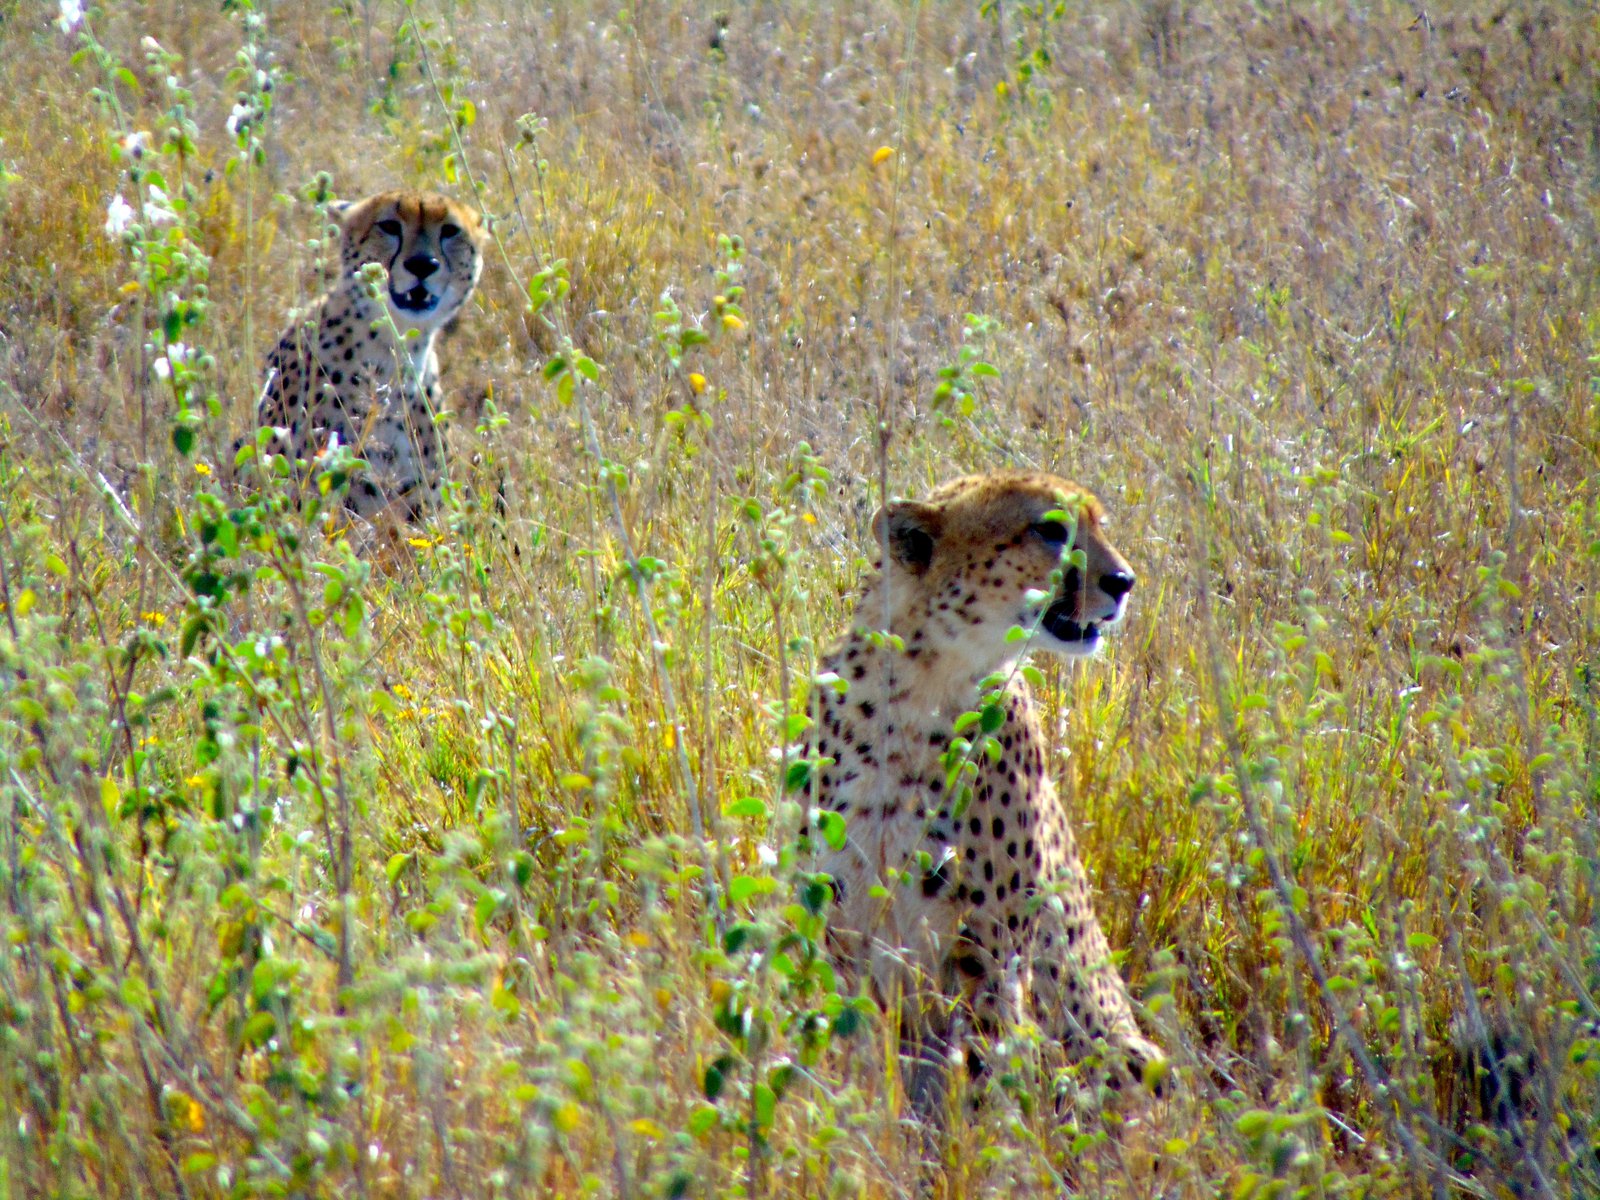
column 992, row 907
column 342, row 373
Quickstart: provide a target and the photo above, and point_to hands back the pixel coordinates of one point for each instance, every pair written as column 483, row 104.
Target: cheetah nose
column 422, row 265
column 1116, row 584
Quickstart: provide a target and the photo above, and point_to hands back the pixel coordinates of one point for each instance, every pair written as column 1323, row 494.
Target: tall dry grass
column 319, row 877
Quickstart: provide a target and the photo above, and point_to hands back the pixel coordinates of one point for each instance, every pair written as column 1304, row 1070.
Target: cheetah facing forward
column 998, row 914
column 342, row 372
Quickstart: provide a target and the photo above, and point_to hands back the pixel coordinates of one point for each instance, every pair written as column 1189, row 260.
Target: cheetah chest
column 979, row 857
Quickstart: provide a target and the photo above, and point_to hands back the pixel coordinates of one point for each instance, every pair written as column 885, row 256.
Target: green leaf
column 259, row 1028
column 522, row 868
column 396, row 864
column 190, row 635
column 702, row 1119
column 834, row 830
column 766, row 1104
column 750, row 806
column 483, row 912
column 1253, row 1123
column 715, row 1078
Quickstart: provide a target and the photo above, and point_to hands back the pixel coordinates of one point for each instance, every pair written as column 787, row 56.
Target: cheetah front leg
column 1078, row 997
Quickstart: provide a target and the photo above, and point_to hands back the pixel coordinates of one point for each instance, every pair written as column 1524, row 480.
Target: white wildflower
column 158, row 208
column 71, row 15
column 119, row 215
column 135, row 144
column 177, row 354
column 239, row 118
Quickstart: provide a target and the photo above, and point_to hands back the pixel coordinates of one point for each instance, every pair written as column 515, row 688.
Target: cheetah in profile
column 978, row 912
column 343, row 373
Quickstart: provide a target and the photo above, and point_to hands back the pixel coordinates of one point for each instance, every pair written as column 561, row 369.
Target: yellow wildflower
column 697, row 382
column 186, row 1111
column 882, row 155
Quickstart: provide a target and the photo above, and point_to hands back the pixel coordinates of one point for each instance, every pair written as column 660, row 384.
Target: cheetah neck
column 889, row 729
column 412, row 357
column 934, row 667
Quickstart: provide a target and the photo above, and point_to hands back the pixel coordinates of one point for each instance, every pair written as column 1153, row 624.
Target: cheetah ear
column 340, row 209
column 911, row 530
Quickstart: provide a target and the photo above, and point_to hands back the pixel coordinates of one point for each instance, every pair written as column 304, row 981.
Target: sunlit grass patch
column 382, row 875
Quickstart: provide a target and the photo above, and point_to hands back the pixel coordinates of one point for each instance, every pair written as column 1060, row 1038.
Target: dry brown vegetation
column 322, row 877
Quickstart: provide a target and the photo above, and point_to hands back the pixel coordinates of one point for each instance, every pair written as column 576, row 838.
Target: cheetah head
column 988, row 554
column 431, row 247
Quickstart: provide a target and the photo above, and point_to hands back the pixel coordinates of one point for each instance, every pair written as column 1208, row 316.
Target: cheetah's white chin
column 416, row 301
column 1069, row 635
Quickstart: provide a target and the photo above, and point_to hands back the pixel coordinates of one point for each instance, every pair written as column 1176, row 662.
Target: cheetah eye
column 391, row 227
column 1053, row 532
column 447, row 231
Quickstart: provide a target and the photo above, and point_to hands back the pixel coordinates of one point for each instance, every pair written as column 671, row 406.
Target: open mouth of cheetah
column 417, row 299
column 1058, row 621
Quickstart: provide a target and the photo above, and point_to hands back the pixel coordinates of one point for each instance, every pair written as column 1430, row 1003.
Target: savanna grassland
column 466, row 867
